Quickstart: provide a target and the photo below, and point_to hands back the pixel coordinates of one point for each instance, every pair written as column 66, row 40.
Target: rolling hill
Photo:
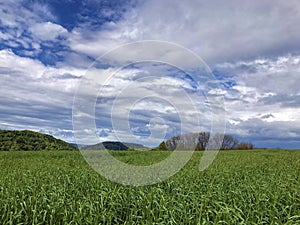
column 113, row 145
column 25, row 140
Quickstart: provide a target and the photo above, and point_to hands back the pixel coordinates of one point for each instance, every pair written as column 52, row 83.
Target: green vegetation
column 240, row 187
column 113, row 145
column 30, row 141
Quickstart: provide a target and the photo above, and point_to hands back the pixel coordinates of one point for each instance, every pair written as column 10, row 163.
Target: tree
column 245, row 146
column 205, row 140
column 162, row 146
column 229, row 142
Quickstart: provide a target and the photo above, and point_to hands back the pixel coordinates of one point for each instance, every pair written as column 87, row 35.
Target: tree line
column 12, row 140
column 204, row 140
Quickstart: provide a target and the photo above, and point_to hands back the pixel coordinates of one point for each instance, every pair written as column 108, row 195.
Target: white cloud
column 35, row 96
column 255, row 45
column 140, row 94
column 48, row 31
column 217, row 31
column 5, row 36
column 273, row 76
column 225, row 31
column 26, row 28
column 264, row 102
column 7, row 19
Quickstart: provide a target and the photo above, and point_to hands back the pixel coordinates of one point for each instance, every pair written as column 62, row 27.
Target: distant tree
column 205, row 140
column 229, row 142
column 162, row 146
column 172, row 143
column 245, row 146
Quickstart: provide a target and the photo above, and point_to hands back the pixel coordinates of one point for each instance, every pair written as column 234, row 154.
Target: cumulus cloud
column 132, row 98
column 253, row 49
column 263, row 103
column 28, row 28
column 48, row 31
column 217, row 32
column 34, row 95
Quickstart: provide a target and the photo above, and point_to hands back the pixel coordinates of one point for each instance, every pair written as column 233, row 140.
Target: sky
column 250, row 52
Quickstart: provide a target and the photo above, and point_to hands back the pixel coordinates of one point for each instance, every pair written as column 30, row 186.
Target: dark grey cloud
column 268, row 134
column 267, row 116
column 284, row 100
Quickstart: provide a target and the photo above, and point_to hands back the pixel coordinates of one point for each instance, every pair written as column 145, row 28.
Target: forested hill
column 30, row 141
column 113, row 145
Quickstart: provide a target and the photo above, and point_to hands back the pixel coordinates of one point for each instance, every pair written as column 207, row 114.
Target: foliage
column 30, row 141
column 240, row 187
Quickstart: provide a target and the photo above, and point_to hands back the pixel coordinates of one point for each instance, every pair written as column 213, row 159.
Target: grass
column 240, row 187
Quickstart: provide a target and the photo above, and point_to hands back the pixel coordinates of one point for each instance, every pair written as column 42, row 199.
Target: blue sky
column 253, row 49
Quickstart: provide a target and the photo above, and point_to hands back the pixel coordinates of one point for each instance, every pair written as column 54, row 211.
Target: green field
column 240, row 187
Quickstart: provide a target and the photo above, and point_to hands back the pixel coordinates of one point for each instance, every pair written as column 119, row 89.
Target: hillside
column 30, row 141
column 113, row 145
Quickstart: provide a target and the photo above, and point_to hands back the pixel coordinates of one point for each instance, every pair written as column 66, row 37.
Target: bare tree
column 229, row 142
column 204, row 140
column 245, row 146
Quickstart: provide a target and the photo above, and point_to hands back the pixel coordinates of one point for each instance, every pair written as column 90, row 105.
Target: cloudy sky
column 49, row 48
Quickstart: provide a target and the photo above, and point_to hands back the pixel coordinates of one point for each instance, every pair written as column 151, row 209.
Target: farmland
column 240, row 187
